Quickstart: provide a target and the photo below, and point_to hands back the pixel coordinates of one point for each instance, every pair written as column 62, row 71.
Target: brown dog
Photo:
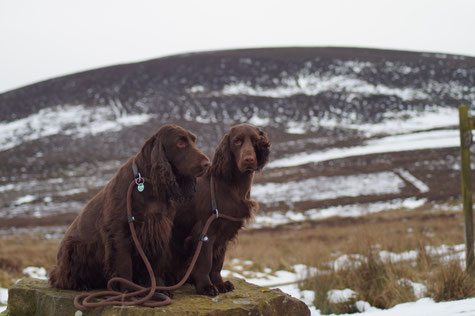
column 98, row 244
column 242, row 151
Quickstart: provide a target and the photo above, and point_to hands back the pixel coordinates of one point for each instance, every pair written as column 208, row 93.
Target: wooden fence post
column 466, row 126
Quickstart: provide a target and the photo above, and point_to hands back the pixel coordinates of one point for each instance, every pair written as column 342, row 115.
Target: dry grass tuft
column 384, row 284
column 376, row 282
column 21, row 251
column 450, row 282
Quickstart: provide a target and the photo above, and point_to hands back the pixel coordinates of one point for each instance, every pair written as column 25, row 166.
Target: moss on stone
column 35, row 297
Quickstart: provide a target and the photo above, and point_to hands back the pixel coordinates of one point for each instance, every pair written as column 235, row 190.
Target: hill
column 352, row 130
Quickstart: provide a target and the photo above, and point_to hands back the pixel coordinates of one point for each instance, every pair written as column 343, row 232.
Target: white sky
column 44, row 39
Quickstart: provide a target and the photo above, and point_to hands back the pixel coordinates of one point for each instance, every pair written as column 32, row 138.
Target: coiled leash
column 112, row 297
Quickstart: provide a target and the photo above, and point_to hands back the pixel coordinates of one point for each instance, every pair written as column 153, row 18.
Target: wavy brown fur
column 241, row 152
column 98, row 245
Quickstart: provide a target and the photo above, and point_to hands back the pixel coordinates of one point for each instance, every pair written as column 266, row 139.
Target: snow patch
column 323, row 188
column 196, row 89
column 387, row 256
column 3, row 296
column 348, row 261
column 447, row 253
column 427, row 306
column 353, row 210
column 35, row 272
column 286, row 281
column 24, row 199
column 418, row 289
column 397, row 122
column 341, row 296
column 296, row 127
column 7, row 187
column 276, row 218
column 259, row 121
column 397, row 143
column 412, row 203
column 74, row 120
column 363, row 306
column 421, row 186
column 313, row 84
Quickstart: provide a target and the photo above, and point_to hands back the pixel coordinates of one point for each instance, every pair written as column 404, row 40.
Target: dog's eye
column 181, row 144
column 238, row 142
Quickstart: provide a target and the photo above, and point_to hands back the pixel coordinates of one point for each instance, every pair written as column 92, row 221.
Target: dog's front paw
column 228, row 286
column 225, row 287
column 209, row 290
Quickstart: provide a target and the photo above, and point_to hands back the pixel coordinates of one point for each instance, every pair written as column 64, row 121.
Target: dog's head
column 174, row 162
column 245, row 148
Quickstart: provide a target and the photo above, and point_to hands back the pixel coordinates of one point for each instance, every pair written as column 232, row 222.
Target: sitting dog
column 98, row 244
column 241, row 152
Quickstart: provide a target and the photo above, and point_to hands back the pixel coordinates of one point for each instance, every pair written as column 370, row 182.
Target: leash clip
column 215, row 212
column 130, row 218
column 204, row 238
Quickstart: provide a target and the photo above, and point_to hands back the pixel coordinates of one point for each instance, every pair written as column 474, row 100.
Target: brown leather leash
column 127, row 299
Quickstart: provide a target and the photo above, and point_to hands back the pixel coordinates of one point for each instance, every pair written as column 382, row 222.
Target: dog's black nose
column 249, row 159
column 205, row 164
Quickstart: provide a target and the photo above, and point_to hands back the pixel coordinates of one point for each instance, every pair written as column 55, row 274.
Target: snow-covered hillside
column 350, row 128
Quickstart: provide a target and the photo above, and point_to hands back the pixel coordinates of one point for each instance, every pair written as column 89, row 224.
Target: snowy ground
column 3, row 299
column 288, row 283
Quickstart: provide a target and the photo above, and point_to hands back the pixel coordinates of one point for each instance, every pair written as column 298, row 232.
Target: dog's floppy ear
column 262, row 149
column 163, row 179
column 146, row 150
column 222, row 159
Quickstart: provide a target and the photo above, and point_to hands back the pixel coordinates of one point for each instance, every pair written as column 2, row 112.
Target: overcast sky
column 48, row 38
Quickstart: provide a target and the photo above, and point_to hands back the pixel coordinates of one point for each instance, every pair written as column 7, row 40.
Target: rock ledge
column 35, row 297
